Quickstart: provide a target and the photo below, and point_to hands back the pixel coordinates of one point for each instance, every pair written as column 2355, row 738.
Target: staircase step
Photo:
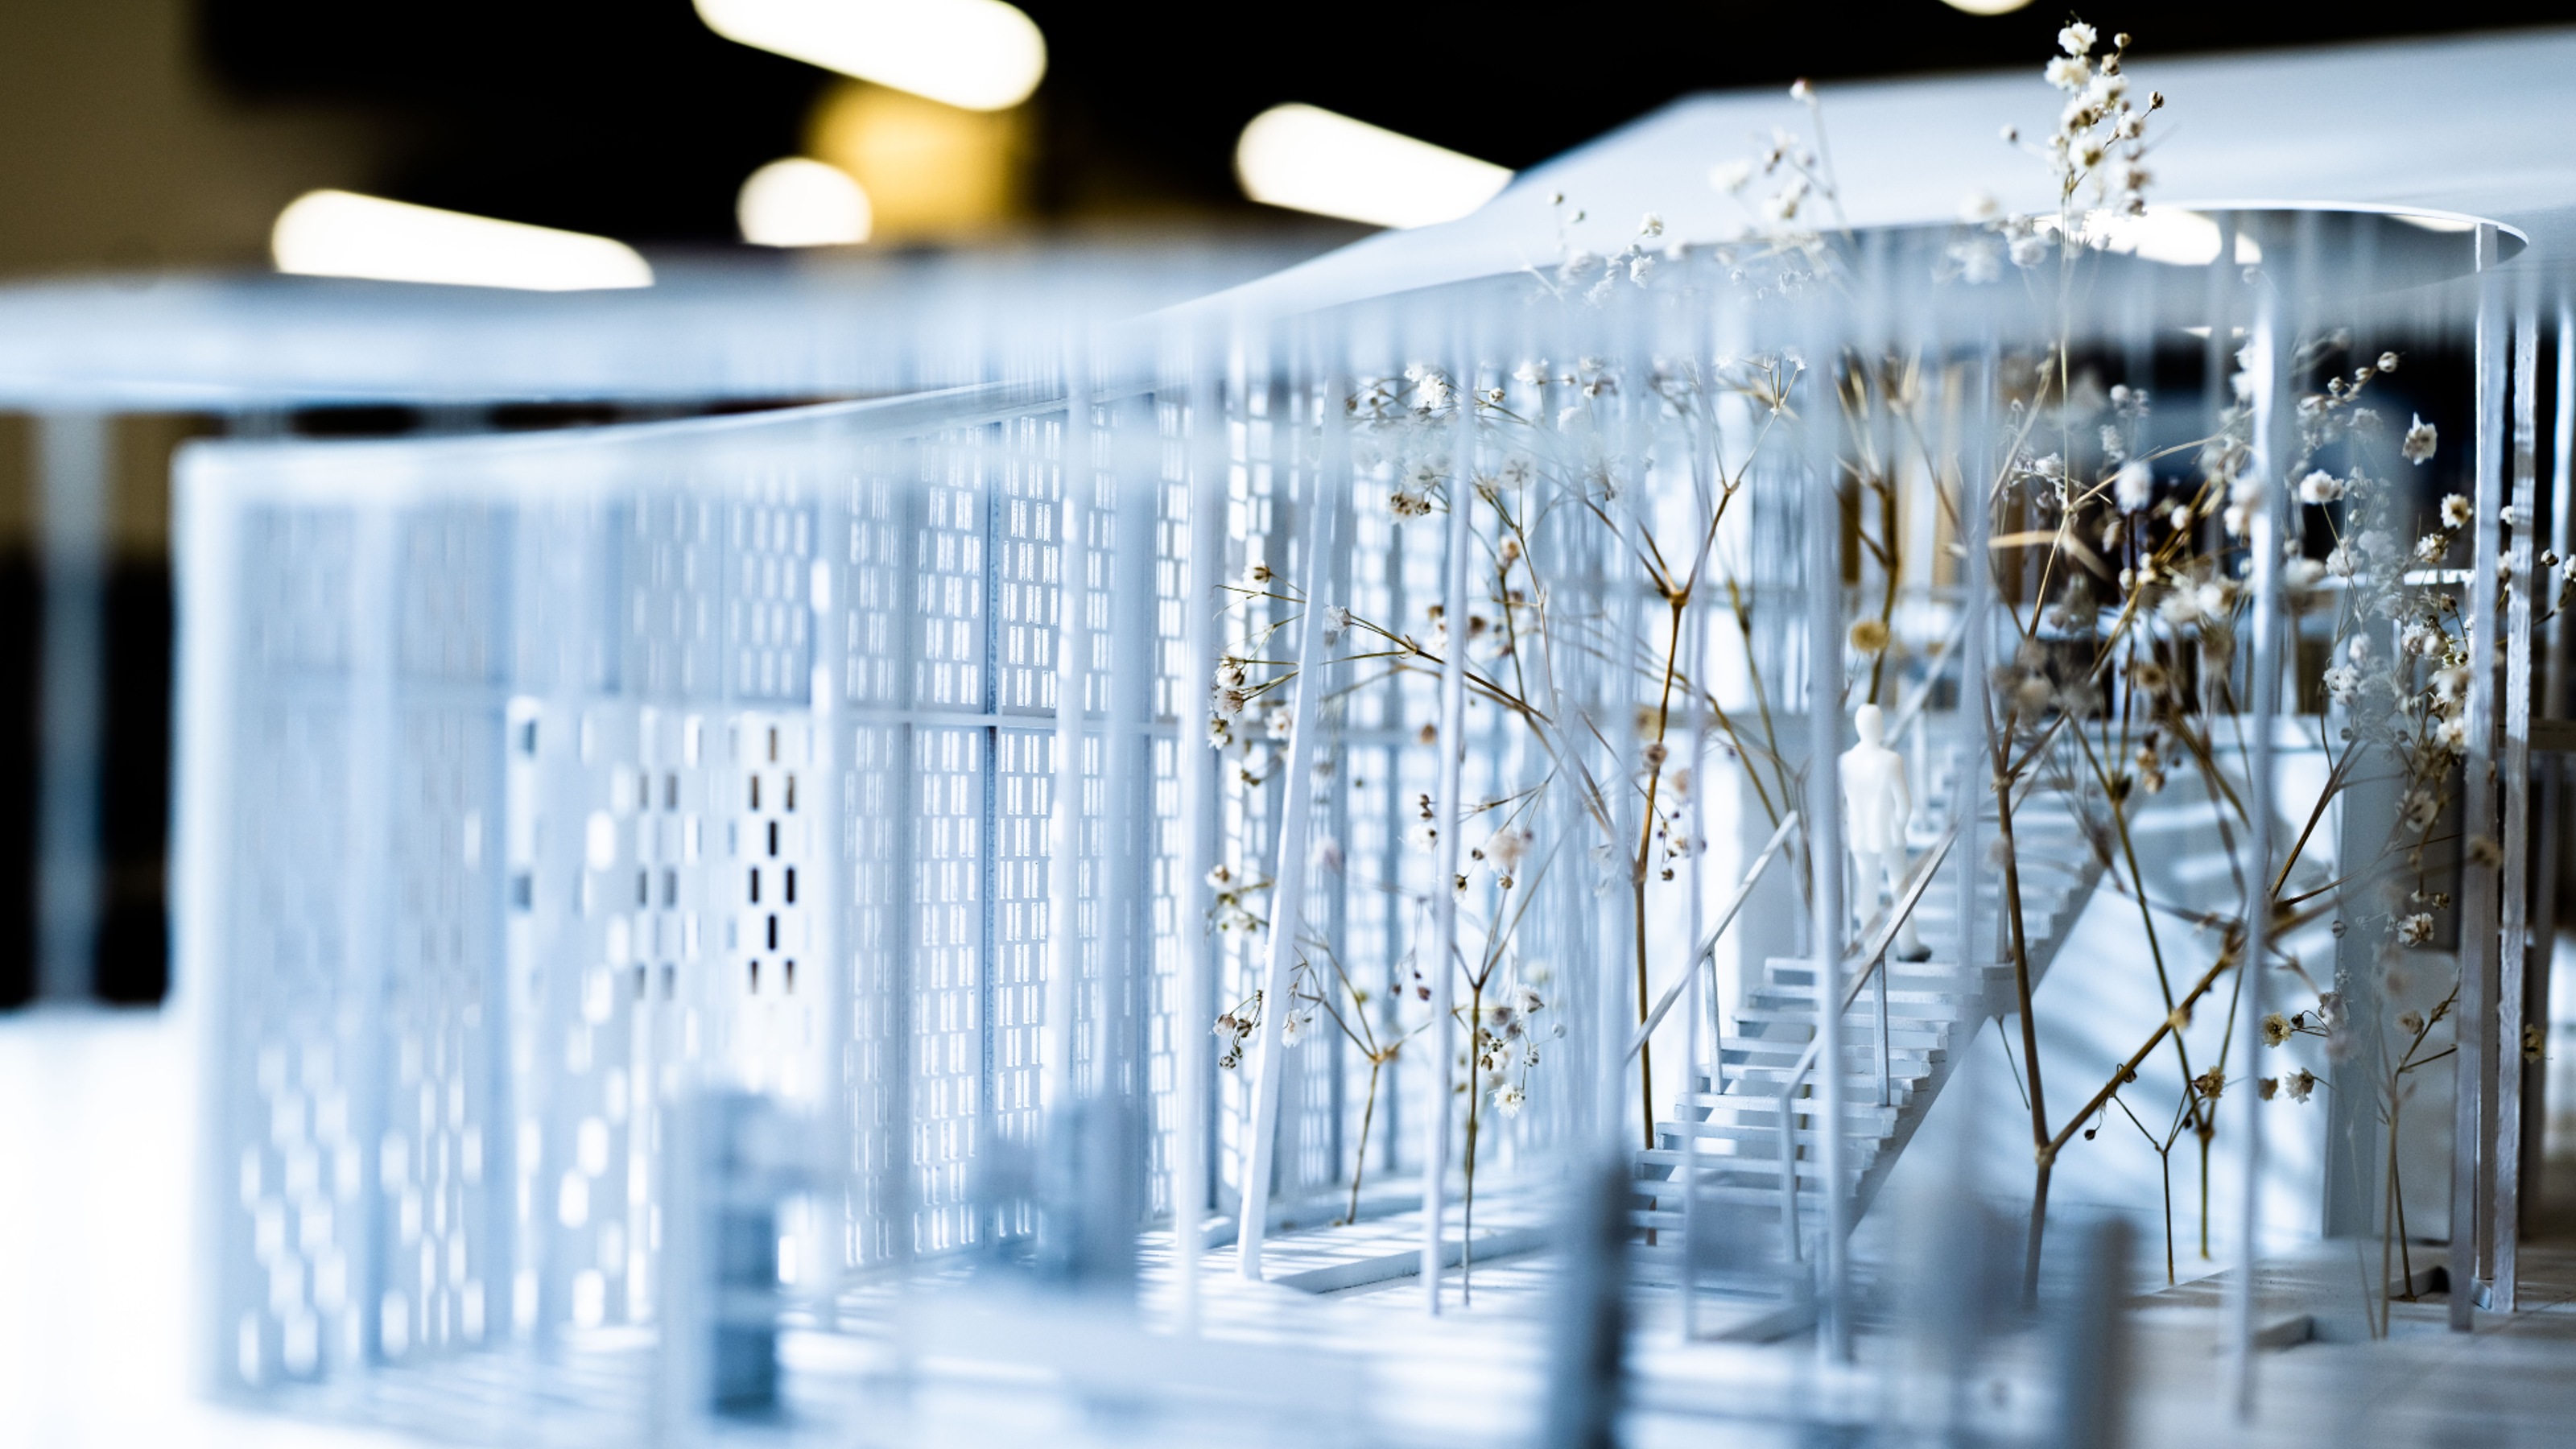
column 1763, row 1112
column 1665, row 1195
column 1916, row 1015
column 1747, row 1049
column 1766, row 1136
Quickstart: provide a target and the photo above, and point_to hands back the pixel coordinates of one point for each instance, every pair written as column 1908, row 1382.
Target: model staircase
column 1934, row 1009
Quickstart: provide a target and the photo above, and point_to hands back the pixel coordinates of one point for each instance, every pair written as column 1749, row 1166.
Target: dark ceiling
column 629, row 117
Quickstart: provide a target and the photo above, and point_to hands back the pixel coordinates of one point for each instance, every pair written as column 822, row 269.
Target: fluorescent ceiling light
column 1310, row 159
column 981, row 55
column 342, row 234
column 802, row 203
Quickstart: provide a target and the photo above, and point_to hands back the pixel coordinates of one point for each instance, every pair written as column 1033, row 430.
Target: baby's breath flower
column 2342, row 682
column 2068, row 73
column 2430, row 548
column 2320, row 486
column 2455, row 509
column 2388, row 362
column 2276, row 1029
column 2076, row 39
column 2300, row 1084
column 1730, row 175
column 2419, row 441
column 1869, row 636
column 2134, row 487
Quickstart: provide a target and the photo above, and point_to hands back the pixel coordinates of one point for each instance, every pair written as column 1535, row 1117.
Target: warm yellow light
column 1986, row 7
column 1310, row 159
column 931, row 172
column 802, row 203
column 982, row 55
column 342, row 234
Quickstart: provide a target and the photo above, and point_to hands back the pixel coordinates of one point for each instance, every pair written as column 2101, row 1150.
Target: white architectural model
column 742, row 928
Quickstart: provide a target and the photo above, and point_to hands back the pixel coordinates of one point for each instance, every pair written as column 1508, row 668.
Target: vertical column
column 1976, row 724
column 1201, row 567
column 2472, row 1158
column 2514, row 942
column 1077, row 486
column 1443, row 967
column 841, row 1203
column 72, row 462
column 2263, row 543
column 1296, row 827
column 1825, row 832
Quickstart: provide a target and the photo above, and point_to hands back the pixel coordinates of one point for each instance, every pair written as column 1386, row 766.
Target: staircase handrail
column 1708, row 947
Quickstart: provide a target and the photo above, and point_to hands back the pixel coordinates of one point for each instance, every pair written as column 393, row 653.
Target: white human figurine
column 1876, row 805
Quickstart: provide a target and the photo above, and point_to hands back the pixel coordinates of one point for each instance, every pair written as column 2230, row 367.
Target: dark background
column 630, row 117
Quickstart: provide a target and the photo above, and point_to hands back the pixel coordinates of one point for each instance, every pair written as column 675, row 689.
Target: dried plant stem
column 1679, row 602
column 1475, row 1096
column 2044, row 1151
column 1368, row 1115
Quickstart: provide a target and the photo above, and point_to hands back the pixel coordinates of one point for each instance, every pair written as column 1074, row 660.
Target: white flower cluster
column 2101, row 134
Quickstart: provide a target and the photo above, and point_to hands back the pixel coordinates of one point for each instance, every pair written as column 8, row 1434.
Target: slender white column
column 1056, row 1083
column 2514, row 953
column 1196, row 763
column 2472, row 1159
column 1976, row 724
column 1296, row 828
column 1825, row 833
column 72, row 460
column 1441, row 969
column 2263, row 542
